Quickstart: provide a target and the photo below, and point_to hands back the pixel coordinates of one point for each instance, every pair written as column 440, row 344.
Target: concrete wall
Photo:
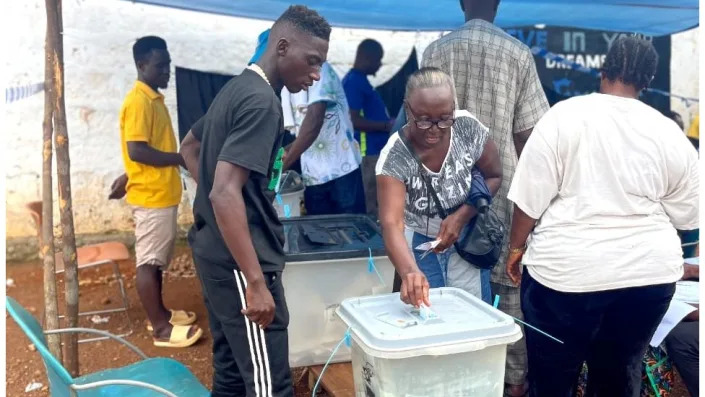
column 99, row 71
column 685, row 73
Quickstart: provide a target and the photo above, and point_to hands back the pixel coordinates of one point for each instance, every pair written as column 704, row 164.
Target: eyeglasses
column 427, row 124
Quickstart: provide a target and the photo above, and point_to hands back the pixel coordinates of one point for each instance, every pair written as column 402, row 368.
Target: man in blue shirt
column 369, row 115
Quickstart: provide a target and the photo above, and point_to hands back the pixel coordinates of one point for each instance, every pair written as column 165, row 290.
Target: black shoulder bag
column 483, row 244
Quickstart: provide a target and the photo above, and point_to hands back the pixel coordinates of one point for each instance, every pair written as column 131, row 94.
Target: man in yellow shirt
column 154, row 189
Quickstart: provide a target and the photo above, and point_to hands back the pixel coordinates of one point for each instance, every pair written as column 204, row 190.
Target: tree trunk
column 46, row 250
column 63, row 166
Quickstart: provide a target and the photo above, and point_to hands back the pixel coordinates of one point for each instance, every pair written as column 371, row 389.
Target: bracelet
column 514, row 251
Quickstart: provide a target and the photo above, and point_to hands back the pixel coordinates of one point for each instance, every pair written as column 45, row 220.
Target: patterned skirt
column 656, row 375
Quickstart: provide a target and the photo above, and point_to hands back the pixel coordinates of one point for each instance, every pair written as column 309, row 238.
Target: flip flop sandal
column 179, row 337
column 178, row 317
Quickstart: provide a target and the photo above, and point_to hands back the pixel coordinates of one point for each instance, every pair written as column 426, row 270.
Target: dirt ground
column 98, row 290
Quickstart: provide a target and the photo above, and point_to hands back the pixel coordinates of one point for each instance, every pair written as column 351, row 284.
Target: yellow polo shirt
column 694, row 130
column 145, row 118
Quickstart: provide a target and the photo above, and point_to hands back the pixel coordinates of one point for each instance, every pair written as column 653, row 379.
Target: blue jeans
column 435, row 266
column 344, row 195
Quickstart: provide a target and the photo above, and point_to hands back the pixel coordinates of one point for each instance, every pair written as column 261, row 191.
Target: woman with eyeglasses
column 451, row 145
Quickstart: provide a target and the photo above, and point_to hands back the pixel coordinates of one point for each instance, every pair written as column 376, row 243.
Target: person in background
column 601, row 188
column 496, row 80
column 449, row 143
column 330, row 155
column 237, row 238
column 682, row 343
column 153, row 188
column 368, row 113
column 689, row 238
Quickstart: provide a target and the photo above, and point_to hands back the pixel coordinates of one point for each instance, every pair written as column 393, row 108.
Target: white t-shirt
column 452, row 183
column 335, row 152
column 608, row 178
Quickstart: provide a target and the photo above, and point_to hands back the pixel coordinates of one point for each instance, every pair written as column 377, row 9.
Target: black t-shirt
column 197, row 128
column 243, row 126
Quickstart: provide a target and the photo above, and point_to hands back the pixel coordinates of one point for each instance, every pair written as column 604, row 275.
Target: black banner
column 195, row 90
column 587, row 48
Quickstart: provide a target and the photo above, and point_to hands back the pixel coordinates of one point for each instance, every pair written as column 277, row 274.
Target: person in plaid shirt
column 495, row 79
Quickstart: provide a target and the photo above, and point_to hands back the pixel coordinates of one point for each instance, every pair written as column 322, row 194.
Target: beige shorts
column 155, row 235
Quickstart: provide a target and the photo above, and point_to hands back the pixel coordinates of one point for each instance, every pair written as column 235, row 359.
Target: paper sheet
column 428, row 245
column 687, row 291
column 692, row 261
column 677, row 310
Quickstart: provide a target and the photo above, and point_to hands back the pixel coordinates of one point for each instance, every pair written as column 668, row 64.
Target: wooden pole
column 46, row 250
column 63, row 167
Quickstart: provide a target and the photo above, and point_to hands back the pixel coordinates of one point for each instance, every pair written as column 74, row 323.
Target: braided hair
column 632, row 61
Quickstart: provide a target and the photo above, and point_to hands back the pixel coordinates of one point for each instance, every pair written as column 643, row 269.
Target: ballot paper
column 428, row 245
column 687, row 294
column 408, row 318
column 677, row 310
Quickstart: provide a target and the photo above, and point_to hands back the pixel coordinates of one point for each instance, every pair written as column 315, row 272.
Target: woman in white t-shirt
column 450, row 143
column 600, row 189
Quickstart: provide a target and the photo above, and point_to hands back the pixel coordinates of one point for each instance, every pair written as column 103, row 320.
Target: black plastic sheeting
column 195, row 91
column 330, row 237
column 392, row 92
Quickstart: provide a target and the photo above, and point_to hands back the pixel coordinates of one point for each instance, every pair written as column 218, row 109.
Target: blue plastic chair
column 148, row 377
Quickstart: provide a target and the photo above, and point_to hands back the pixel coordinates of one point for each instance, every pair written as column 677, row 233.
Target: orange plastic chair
column 107, row 253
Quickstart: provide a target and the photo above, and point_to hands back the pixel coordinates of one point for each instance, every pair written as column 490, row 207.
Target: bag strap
column 427, row 181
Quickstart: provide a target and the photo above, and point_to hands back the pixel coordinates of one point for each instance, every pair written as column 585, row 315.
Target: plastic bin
column 460, row 352
column 292, row 194
column 327, row 262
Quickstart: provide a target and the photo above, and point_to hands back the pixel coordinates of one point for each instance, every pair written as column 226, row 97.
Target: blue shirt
column 361, row 96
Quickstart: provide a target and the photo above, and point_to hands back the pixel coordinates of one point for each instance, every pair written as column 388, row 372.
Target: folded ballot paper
column 675, row 313
column 428, row 245
column 413, row 316
column 687, row 294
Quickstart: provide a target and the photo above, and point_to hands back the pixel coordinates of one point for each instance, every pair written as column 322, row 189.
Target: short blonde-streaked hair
column 429, row 77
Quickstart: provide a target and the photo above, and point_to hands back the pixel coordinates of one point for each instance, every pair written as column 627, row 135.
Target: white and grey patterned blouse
column 452, row 183
column 496, row 80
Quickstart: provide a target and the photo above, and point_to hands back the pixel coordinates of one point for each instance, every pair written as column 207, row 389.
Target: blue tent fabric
column 649, row 17
column 261, row 46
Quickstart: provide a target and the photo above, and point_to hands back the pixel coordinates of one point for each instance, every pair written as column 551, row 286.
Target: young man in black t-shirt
column 237, row 239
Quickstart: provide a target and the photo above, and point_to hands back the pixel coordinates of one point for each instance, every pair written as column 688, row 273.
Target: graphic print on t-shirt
column 452, row 183
column 276, row 173
column 335, row 152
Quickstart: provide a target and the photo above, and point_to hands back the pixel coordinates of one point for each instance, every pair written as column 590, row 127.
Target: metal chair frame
column 35, row 211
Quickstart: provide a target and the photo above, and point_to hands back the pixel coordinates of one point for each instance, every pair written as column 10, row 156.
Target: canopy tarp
column 649, row 17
